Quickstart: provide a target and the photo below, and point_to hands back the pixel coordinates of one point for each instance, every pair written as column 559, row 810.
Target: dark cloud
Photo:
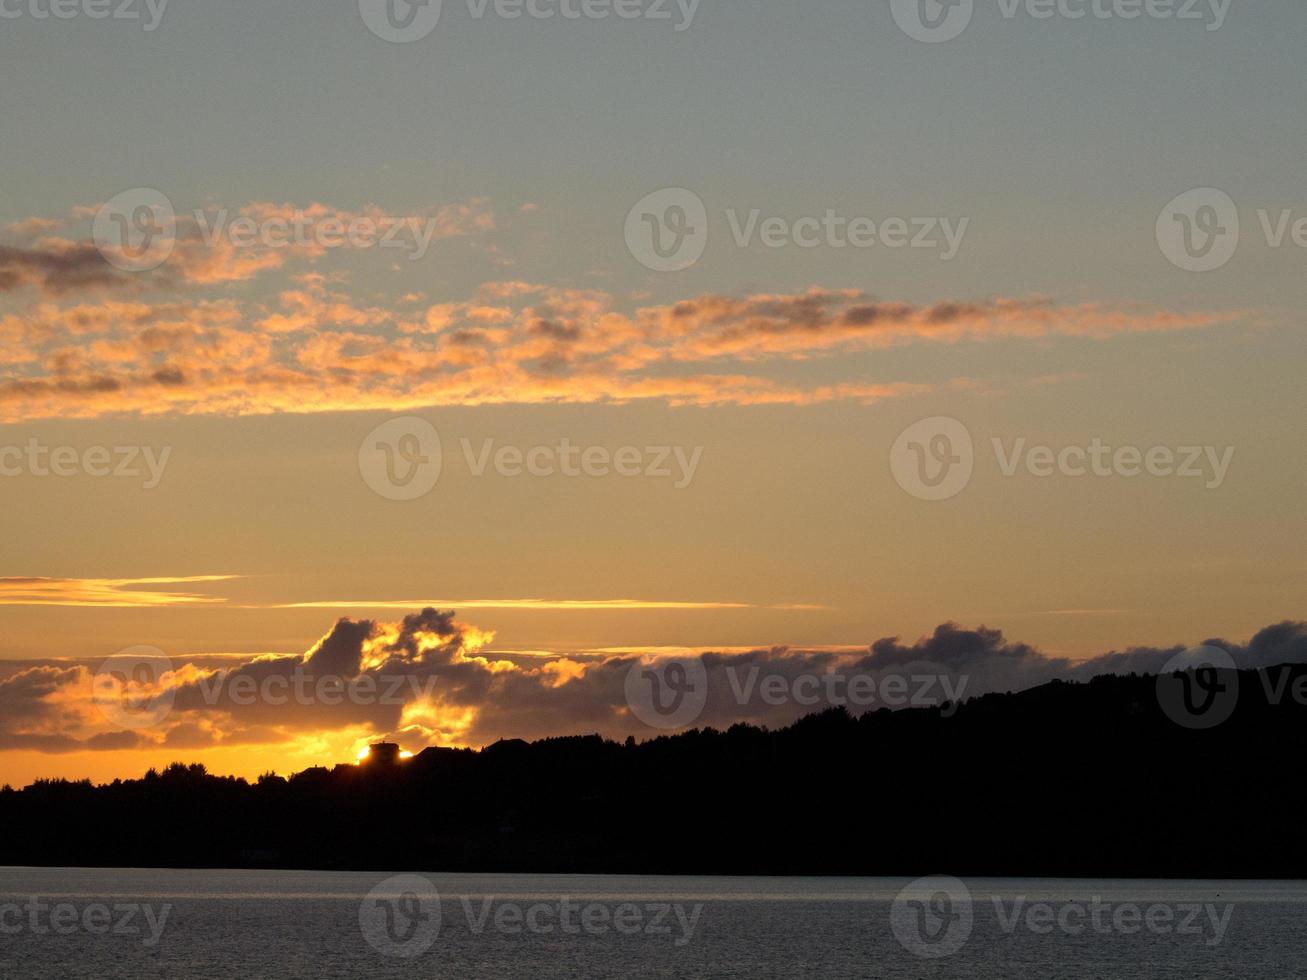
column 64, row 744
column 341, row 650
column 57, row 269
column 427, row 680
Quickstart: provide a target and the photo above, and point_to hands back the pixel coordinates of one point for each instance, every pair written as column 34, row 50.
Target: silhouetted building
column 382, row 754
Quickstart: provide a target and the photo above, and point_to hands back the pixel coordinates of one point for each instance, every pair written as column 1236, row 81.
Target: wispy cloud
column 315, row 348
column 134, row 593
column 565, row 604
column 125, row 593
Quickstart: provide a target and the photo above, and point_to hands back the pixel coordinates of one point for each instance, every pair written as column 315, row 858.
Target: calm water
column 242, row 924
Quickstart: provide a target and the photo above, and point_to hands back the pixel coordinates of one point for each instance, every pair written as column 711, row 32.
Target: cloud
column 431, row 679
column 220, row 246
column 58, row 267
column 62, row 744
column 33, row 227
column 123, row 593
column 572, row 605
column 128, row 593
column 317, row 350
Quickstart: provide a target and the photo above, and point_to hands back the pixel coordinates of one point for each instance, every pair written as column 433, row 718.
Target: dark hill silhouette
column 1067, row 779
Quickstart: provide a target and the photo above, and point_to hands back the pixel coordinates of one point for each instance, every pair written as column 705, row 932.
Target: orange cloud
column 568, row 604
column 513, row 343
column 431, row 680
column 123, row 593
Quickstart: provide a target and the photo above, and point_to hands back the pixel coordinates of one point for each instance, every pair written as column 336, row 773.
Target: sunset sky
column 252, row 374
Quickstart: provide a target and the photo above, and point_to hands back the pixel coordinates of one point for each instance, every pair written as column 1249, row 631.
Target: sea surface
column 242, row 925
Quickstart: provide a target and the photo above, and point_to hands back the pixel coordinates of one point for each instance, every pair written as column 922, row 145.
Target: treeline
column 1066, row 779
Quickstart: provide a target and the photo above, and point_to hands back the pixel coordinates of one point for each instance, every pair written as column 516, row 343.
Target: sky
column 996, row 324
